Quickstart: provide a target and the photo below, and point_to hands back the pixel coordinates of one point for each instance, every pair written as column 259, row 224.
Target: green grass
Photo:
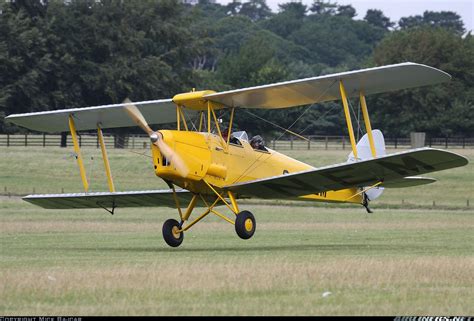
column 397, row 261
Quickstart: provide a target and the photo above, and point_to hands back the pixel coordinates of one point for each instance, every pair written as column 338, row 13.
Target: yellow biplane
column 212, row 166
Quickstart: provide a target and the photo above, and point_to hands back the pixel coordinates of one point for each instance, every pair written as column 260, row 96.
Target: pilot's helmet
column 257, row 140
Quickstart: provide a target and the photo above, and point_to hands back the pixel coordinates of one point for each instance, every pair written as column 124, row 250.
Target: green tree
column 233, row 8
column 25, row 61
column 321, row 7
column 82, row 53
column 435, row 109
column 444, row 19
column 288, row 20
column 346, row 11
column 255, row 10
column 337, row 40
column 378, row 19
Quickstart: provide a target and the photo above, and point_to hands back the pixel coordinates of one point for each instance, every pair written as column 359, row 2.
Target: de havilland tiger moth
column 213, row 166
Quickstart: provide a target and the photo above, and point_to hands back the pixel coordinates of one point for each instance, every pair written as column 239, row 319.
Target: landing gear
column 245, row 225
column 172, row 233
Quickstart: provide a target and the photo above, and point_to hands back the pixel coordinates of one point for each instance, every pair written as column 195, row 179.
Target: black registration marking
column 341, row 176
column 289, row 186
column 409, row 166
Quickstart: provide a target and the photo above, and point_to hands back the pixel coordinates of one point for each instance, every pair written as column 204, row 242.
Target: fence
column 45, row 140
column 343, row 142
column 142, row 141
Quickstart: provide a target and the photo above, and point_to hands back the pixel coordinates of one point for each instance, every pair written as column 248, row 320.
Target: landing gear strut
column 173, row 232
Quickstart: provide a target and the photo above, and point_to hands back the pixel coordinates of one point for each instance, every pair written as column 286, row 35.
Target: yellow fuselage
column 209, row 158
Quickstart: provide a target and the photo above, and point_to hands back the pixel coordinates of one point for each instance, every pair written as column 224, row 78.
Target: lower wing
column 387, row 169
column 163, row 198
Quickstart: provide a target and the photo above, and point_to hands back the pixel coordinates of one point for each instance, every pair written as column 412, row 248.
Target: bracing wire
column 274, row 124
column 307, row 108
column 323, row 115
column 186, row 118
column 357, row 117
column 91, row 170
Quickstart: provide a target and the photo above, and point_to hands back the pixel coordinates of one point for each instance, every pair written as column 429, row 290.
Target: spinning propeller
column 156, row 138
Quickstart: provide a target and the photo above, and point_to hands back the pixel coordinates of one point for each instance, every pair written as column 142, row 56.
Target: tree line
column 67, row 54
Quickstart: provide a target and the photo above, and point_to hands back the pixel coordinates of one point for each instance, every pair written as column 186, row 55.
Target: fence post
column 430, row 141
column 8, row 140
column 44, row 140
column 396, row 142
column 446, row 142
column 343, row 143
column 80, row 140
column 274, row 144
column 326, row 143
column 309, row 143
column 97, row 142
column 291, row 142
column 26, row 140
column 63, row 139
column 463, row 142
column 133, row 141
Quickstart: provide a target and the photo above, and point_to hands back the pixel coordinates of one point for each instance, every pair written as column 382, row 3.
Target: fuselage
column 210, row 158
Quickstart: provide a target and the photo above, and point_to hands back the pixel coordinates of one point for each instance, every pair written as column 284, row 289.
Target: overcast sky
column 395, row 9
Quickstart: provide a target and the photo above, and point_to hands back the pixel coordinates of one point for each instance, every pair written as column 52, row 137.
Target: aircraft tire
column 245, row 225
column 172, row 238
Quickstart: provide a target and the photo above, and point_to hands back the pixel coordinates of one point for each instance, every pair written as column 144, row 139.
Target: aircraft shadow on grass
column 317, row 248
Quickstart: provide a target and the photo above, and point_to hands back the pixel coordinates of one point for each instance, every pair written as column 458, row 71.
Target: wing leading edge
column 390, row 168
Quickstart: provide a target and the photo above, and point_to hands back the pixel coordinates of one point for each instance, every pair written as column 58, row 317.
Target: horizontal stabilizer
column 386, row 169
column 156, row 198
column 409, row 182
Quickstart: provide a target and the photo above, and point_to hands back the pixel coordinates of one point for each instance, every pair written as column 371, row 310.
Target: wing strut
column 106, row 159
column 348, row 118
column 368, row 128
column 77, row 150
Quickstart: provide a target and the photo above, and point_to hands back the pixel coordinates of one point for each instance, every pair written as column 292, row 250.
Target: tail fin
column 364, row 152
column 363, row 147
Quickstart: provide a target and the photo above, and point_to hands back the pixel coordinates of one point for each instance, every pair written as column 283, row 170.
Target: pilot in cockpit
column 258, row 143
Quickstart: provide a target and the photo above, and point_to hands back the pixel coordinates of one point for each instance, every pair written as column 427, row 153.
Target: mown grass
column 53, row 170
column 303, row 260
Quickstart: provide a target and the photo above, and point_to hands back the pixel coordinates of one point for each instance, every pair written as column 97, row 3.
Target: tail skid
column 364, row 152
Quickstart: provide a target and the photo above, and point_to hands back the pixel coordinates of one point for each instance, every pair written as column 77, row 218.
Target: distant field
column 53, row 170
column 303, row 260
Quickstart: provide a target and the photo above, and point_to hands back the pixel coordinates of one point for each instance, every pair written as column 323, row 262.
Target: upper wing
column 279, row 95
column 109, row 200
column 326, row 88
column 109, row 116
column 390, row 168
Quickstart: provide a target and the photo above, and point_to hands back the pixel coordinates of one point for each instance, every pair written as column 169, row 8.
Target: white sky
column 398, row 8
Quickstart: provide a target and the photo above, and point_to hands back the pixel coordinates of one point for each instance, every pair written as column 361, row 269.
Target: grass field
column 405, row 259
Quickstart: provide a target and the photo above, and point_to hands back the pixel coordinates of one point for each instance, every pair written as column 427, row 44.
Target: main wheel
column 245, row 225
column 171, row 233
